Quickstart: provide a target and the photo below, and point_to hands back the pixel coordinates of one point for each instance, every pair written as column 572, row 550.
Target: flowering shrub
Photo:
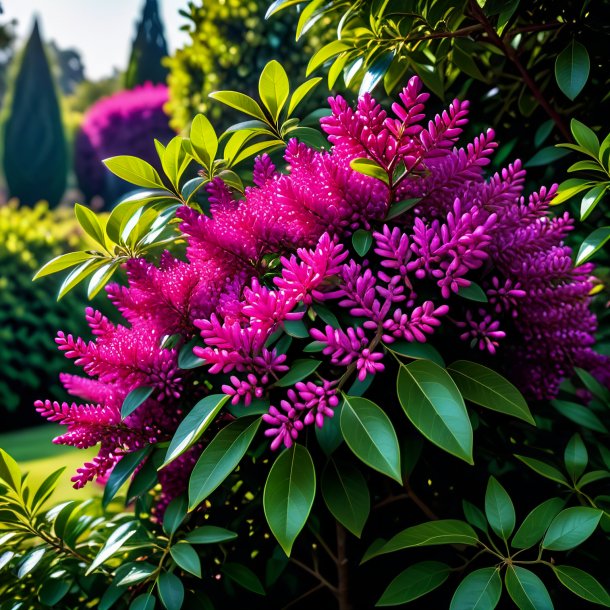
column 292, row 309
column 123, row 123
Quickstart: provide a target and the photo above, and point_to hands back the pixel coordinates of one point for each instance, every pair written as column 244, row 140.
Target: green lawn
column 34, row 450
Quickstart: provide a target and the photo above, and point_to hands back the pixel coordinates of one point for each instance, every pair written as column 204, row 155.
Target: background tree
column 148, row 49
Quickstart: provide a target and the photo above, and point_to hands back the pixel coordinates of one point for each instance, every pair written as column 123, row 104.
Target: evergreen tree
column 148, row 49
column 35, row 155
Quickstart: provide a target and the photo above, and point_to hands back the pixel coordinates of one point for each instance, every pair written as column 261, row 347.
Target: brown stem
column 301, row 597
column 510, row 53
column 419, row 502
column 342, row 570
column 315, row 574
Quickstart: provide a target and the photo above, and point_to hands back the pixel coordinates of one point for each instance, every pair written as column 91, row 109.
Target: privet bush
column 326, row 353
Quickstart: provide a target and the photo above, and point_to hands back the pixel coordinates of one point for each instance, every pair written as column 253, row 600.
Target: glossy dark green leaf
column 526, row 589
column 572, row 69
column 592, row 243
column 362, row 240
column 113, row 544
column 30, row 561
column 571, row 527
column 210, row 534
column 544, row 469
column 592, row 477
column 473, row 292
column 346, row 495
column 375, row 73
column 220, row 458
column 579, row 414
column 591, row 199
column 122, row 471
column 296, row 328
column 536, row 523
column 243, row 576
column 400, row 207
column 369, row 433
column 186, row 557
column 582, row 584
column 489, row 389
column 545, row 156
column 480, row 590
column 416, row 351
column 499, row 509
column 414, row 582
column 134, row 399
column 174, row 514
column 289, row 493
column 474, row 516
column 187, row 359
column 433, row 533
column 433, row 403
column 299, row 370
column 146, row 601
column 575, row 457
column 171, row 590
column 593, row 385
column 329, row 436
column 194, row 425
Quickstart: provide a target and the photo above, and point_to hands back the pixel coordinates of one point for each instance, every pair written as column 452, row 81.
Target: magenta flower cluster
column 274, row 273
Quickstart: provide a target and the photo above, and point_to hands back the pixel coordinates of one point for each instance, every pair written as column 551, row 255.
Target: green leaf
column 64, row 261
column 543, row 132
column 362, row 241
column 187, row 359
column 122, row 471
column 279, row 5
column 289, row 493
column 210, row 534
column 220, row 458
column 594, row 386
column 432, row 533
column 203, row 140
column 134, row 399
column 30, row 561
column 499, row 509
column 369, row 433
column 53, row 591
column 368, row 167
column 480, row 590
column 132, row 573
column 414, row 582
column 592, row 477
column 585, row 166
column 300, row 93
column 256, row 149
column 375, row 73
column 322, row 55
column 346, row 495
column 146, row 601
column 112, row 545
column 90, row 223
column 400, row 207
column 571, row 527
column 174, row 161
column 100, row 278
column 194, row 425
column 473, row 292
column 186, row 557
column 591, row 199
column 576, row 457
column 300, row 369
column 474, row 516
column 174, row 515
column 545, row 156
column 274, row 88
column 570, row 188
column 78, row 274
column 241, row 102
column 171, row 591
column 134, row 170
column 536, row 523
column 9, row 471
column 416, row 351
column 296, row 328
column 572, row 69
column 45, row 490
column 329, row 435
column 526, row 589
column 489, row 389
column 544, row 469
column 582, row 584
column 243, row 576
column 585, row 137
column 433, row 403
column 583, row 416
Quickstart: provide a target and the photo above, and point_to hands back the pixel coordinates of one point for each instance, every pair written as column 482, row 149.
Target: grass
column 35, row 452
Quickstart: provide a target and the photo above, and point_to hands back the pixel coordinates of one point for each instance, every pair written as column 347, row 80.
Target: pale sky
column 102, row 30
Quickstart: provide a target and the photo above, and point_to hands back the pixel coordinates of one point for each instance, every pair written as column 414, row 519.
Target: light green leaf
column 113, row 544
column 585, row 137
column 489, row 389
column 9, row 471
column 592, row 244
column 582, row 584
column 135, row 171
column 100, row 278
column 414, row 582
column 591, row 199
column 78, row 274
column 300, row 93
column 274, row 88
column 203, row 140
column 289, row 494
column 61, row 262
column 536, row 523
column 432, row 533
column 368, row 167
column 480, row 590
column 346, row 495
column 499, row 509
column 526, row 589
column 576, row 457
column 194, row 425
column 90, row 223
column 241, row 102
column 186, row 557
column 256, row 149
column 571, row 527
column 369, row 433
column 325, row 53
column 572, row 69
column 433, row 403
column 220, row 458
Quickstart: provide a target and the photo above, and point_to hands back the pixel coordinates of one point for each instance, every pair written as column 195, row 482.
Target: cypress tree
column 35, row 155
column 148, row 49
